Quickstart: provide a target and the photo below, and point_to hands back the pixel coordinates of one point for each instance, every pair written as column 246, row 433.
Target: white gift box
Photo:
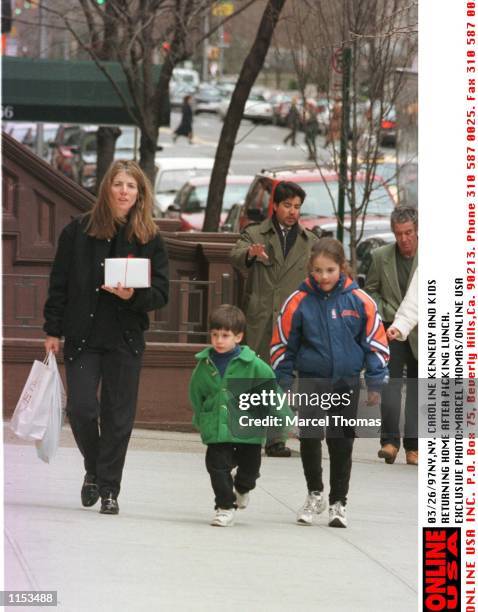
column 131, row 272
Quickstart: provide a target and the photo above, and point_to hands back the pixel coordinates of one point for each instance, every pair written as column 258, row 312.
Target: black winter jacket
column 75, row 282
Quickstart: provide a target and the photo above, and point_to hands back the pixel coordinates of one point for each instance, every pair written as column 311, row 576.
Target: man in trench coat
column 274, row 255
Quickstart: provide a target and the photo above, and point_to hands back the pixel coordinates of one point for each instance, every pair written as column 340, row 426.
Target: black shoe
column 109, row 504
column 89, row 491
column 278, row 450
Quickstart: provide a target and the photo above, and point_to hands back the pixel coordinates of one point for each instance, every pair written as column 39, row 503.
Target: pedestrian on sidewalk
column 388, row 280
column 185, row 128
column 224, row 369
column 328, row 331
column 311, row 129
column 273, row 255
column 335, row 125
column 293, row 122
column 104, row 326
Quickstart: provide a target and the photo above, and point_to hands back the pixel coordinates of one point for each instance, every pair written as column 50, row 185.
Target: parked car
column 190, row 201
column 172, row 172
column 74, row 151
column 207, row 99
column 68, row 148
column 388, row 128
column 225, row 89
column 317, row 211
column 126, row 147
column 258, row 108
column 383, row 113
column 364, row 253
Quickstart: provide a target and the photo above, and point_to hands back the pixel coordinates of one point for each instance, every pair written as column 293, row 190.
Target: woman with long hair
column 103, row 327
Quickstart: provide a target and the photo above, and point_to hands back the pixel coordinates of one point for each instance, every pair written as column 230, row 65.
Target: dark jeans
column 339, row 439
column 102, row 429
column 291, row 136
column 221, row 459
column 340, row 452
column 400, row 356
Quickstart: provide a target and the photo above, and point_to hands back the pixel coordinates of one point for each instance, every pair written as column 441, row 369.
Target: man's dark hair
column 288, row 189
column 403, row 214
column 228, row 317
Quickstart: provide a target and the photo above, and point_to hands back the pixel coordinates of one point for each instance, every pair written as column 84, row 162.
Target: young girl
column 328, row 331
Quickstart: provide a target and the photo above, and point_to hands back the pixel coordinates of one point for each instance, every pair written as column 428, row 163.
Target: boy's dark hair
column 228, row 317
column 288, row 189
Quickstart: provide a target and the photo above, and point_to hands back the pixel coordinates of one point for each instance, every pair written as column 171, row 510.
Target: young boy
column 221, row 368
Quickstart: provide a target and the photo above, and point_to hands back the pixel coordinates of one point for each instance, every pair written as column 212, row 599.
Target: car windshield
column 173, row 180
column 318, row 202
column 255, row 97
column 198, row 197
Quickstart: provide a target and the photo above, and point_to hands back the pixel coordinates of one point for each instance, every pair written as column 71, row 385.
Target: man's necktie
column 285, row 232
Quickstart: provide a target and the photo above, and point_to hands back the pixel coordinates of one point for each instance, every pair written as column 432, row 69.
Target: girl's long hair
column 333, row 249
column 102, row 221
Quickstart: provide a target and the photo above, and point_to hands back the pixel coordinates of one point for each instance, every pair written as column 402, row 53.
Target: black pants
column 340, row 452
column 291, row 136
column 339, row 439
column 221, row 459
column 102, row 429
column 400, row 356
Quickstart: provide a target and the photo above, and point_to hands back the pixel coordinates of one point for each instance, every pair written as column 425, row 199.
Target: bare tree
column 250, row 69
column 132, row 32
column 382, row 37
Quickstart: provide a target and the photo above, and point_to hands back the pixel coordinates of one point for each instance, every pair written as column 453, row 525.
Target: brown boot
column 412, row 457
column 388, row 452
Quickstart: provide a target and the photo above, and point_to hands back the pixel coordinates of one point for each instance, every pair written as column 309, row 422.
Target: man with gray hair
column 389, row 276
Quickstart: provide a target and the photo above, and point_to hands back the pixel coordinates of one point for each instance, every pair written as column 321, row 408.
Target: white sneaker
column 242, row 499
column 314, row 504
column 337, row 516
column 223, row 517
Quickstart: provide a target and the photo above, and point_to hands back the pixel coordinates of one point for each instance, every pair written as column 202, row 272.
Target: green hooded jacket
column 215, row 400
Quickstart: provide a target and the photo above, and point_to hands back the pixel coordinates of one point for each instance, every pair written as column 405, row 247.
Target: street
column 258, row 146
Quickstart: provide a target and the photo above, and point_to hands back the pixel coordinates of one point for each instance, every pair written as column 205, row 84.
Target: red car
column 317, row 211
column 190, row 200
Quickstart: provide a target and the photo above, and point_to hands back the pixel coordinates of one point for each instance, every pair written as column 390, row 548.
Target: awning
column 60, row 91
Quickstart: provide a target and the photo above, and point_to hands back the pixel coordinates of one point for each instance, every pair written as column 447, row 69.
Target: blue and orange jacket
column 330, row 335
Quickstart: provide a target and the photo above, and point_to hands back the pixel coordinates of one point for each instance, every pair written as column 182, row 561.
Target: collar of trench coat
column 295, row 254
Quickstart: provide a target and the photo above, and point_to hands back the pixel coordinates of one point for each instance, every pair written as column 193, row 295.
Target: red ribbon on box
column 126, row 269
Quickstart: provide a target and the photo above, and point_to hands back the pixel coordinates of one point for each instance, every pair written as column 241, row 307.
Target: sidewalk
column 161, row 554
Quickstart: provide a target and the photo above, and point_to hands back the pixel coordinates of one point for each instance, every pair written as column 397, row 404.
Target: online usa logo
column 441, row 569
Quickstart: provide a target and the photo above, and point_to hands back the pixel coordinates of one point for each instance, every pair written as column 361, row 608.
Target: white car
column 258, row 108
column 172, row 173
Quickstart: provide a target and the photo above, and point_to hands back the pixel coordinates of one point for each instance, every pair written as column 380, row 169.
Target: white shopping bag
column 48, row 445
column 30, row 419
